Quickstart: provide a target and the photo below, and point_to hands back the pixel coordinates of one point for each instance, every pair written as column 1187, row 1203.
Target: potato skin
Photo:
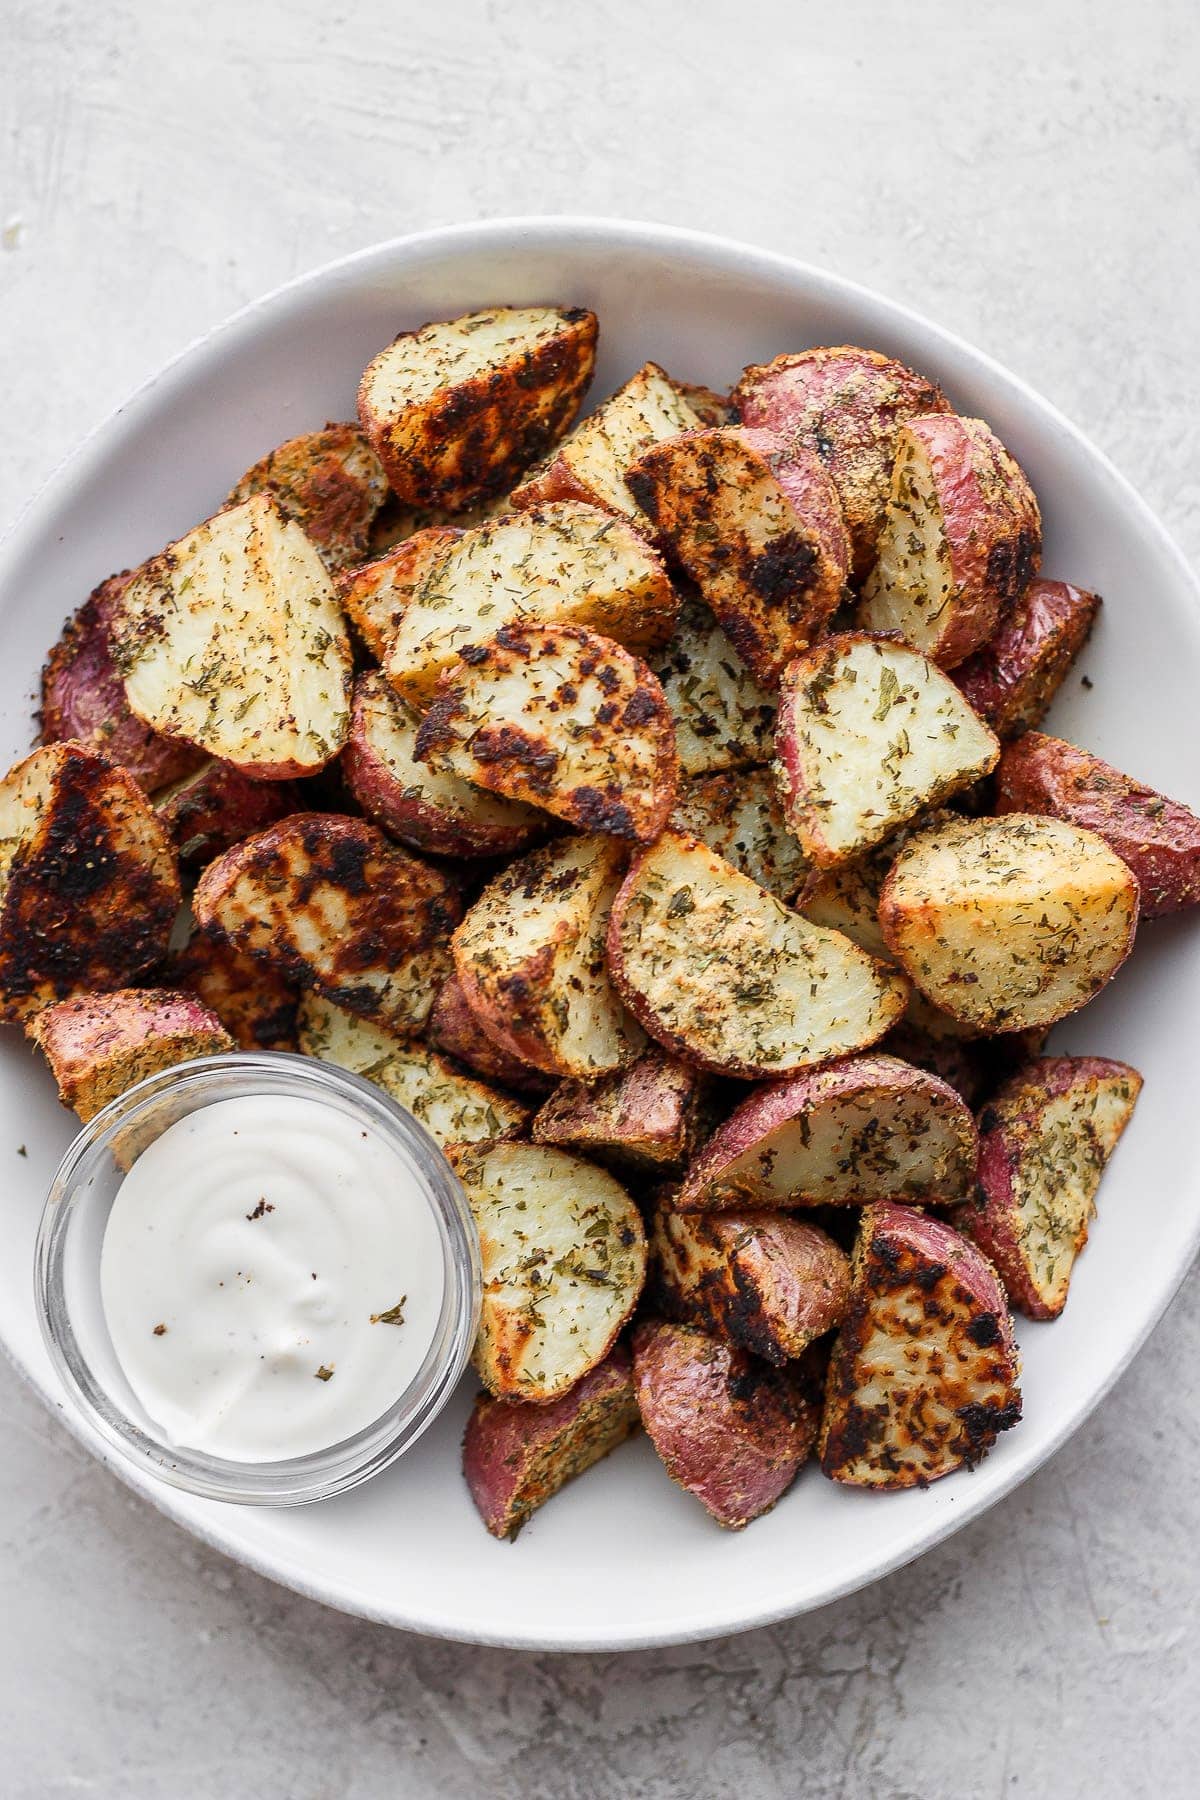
column 216, row 806
column 647, row 1117
column 730, row 1429
column 455, row 1030
column 98, row 1045
column 331, row 482
column 1012, row 679
column 517, row 1454
column 847, row 405
column 1158, row 838
column 256, row 1006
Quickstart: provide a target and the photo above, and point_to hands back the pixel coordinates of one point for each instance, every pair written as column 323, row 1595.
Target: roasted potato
column 459, row 409
column 83, row 698
column 1045, row 1140
column 562, row 564
column 647, row 1118
column 756, row 524
column 233, row 640
column 1158, row 838
column 731, row 1430
column 517, row 1455
column 719, row 972
column 739, row 815
column 374, row 595
column 1009, row 923
column 256, row 1006
column 924, row 1369
column 867, row 1128
column 846, row 405
column 961, row 541
column 216, row 806
column 98, row 1045
column 964, row 1066
column 1011, row 681
column 564, row 1260
column 88, row 883
column 530, row 957
column 329, row 903
column 425, row 808
column 452, row 1108
column 759, row 1279
column 870, row 733
column 454, row 1029
column 557, row 717
column 723, row 719
column 330, row 482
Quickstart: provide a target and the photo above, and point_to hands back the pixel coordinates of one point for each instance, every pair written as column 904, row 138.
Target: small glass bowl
column 67, row 1277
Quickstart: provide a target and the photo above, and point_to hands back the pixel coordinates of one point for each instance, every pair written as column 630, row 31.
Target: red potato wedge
column 560, row 564
column 426, row 809
column 1159, row 839
column 256, row 1006
column 723, row 718
column 1045, row 1139
column 233, row 640
column 648, row 1117
column 454, row 1029
column 83, row 698
column 530, row 958
column 756, row 525
column 89, row 888
column 98, row 1045
column 961, row 540
column 870, row 733
column 720, row 973
column 459, row 409
column 1011, row 681
column 396, row 520
column 216, row 806
column 329, row 903
column 452, row 1108
column 330, row 482
column 729, row 1429
column 1009, row 923
column 739, row 815
column 374, row 595
column 759, row 1279
column 516, row 1455
column 564, row 1261
column 847, row 406
column 923, row 1375
column 557, row 717
column 868, row 1128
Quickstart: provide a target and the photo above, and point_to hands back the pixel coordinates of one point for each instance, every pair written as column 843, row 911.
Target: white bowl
column 622, row 1558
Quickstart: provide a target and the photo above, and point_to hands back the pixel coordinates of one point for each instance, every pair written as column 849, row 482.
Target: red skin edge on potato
column 942, row 1243
column 991, row 678
column 806, row 483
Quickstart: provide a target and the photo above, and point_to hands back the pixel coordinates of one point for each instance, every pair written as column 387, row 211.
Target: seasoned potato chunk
column 98, row 1045
column 374, row 595
column 233, row 639
column 216, row 806
column 460, row 408
column 647, row 1118
column 1009, row 923
column 330, row 482
column 454, row 1029
column 1011, row 681
column 723, row 718
column 256, row 1006
column 88, row 883
column 740, row 817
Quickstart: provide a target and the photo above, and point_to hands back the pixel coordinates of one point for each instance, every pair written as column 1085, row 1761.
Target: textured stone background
column 1025, row 173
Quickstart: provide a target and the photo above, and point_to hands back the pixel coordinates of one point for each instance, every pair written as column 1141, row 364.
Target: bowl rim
column 545, row 231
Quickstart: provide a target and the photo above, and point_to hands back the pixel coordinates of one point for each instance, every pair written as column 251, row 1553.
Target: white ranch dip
column 271, row 1277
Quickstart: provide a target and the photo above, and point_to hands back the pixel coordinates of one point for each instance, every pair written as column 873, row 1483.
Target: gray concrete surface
column 1027, row 174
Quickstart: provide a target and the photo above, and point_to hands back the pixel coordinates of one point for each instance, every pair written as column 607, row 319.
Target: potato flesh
column 597, row 453
column 375, row 595
column 912, row 583
column 740, row 817
column 98, row 1045
column 450, row 352
column 330, row 482
column 723, row 718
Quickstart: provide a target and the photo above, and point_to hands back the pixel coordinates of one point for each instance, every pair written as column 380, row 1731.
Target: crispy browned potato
column 964, row 1066
column 454, row 1029
column 459, row 409
column 759, row 1279
column 1011, row 681
column 374, row 595
column 564, row 1260
column 256, row 1006
column 723, row 718
column 330, row 482
column 1045, row 1140
column 329, row 903
column 1158, row 838
column 561, row 718
column 83, row 698
column 722, row 974
column 517, row 1455
column 738, row 814
column 1009, row 923
column 216, row 806
column 233, row 639
column 396, row 520
column 756, row 524
column 960, row 543
column 88, row 883
column 648, row 1117
column 98, row 1045
column 847, row 405
column 924, row 1370
column 870, row 733
column 731, row 1430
